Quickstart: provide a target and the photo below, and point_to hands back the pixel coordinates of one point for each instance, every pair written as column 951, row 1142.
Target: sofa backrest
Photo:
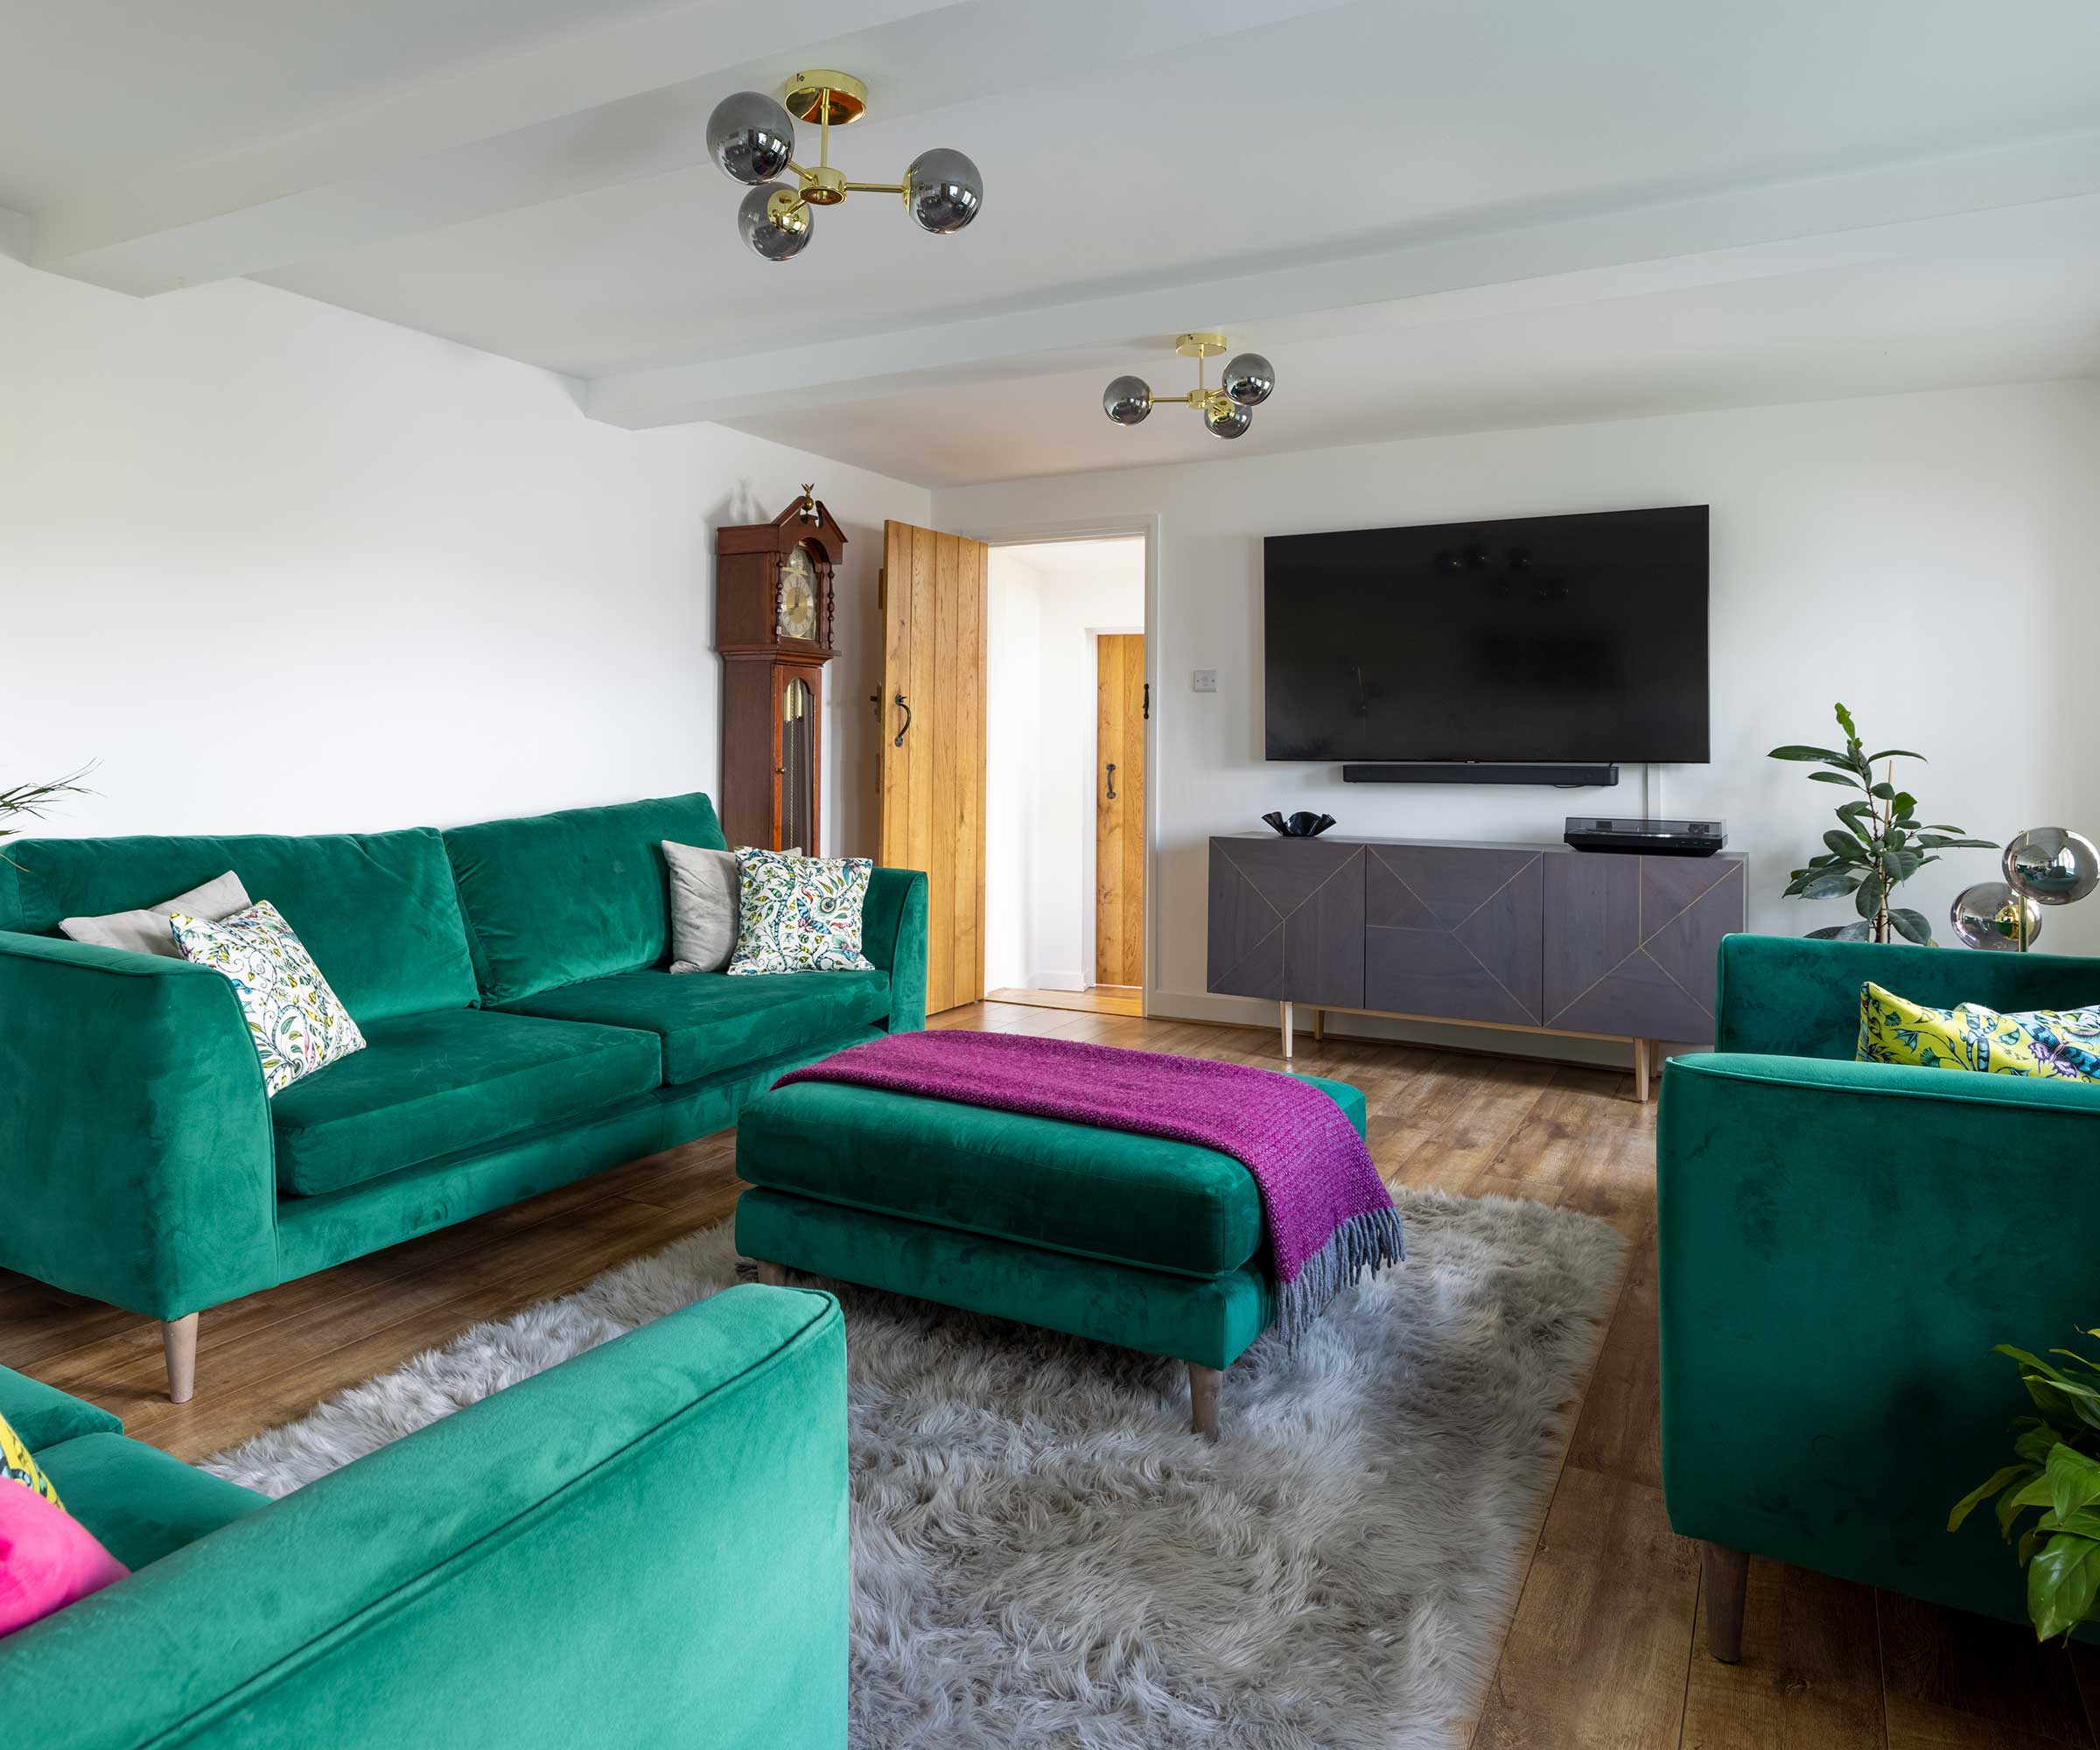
column 377, row 911
column 551, row 899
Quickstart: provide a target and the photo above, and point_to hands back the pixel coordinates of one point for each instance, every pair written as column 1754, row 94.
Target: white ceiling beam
column 2029, row 196
column 592, row 114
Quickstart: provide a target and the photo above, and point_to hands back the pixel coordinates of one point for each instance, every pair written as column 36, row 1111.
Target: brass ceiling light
column 752, row 138
column 1247, row 380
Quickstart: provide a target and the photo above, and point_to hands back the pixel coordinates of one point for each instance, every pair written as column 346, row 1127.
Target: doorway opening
column 1066, row 705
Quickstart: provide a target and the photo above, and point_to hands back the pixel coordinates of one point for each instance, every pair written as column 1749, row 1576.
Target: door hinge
column 1148, row 701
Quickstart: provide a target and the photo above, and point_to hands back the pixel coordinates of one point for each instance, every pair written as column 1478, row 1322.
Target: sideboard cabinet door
column 1453, row 930
column 1286, row 920
column 1632, row 943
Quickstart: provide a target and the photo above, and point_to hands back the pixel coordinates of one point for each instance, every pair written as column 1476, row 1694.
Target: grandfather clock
column 773, row 601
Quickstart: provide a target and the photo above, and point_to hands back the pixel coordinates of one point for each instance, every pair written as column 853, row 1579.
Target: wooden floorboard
column 1601, row 1648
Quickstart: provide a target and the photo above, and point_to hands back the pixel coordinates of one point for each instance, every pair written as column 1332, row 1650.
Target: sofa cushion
column 377, row 911
column 42, row 1414
column 1070, row 1188
column 551, row 899
column 428, row 1085
column 140, row 1503
column 710, row 1023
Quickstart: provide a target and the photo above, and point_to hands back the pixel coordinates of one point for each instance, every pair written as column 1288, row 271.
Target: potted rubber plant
column 1878, row 844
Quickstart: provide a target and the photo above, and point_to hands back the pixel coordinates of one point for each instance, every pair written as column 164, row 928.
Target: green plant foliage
column 30, row 802
column 1877, row 845
column 2055, row 1474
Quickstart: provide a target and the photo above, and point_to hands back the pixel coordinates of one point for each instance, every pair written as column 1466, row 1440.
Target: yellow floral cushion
column 2063, row 1043
column 16, row 1465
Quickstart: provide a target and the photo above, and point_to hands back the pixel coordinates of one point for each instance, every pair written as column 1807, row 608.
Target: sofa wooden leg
column 179, row 1344
column 772, row 1275
column 1203, row 1382
column 1727, row 1576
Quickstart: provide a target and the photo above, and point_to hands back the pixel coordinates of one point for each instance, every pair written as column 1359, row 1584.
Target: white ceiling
column 1433, row 216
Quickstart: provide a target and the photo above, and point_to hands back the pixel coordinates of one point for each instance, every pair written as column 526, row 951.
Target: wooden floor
column 1098, row 999
column 1602, row 1648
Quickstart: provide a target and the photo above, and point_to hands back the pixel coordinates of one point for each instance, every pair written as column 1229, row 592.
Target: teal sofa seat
column 1138, row 1241
column 523, row 1031
column 646, row 1544
column 1840, row 1245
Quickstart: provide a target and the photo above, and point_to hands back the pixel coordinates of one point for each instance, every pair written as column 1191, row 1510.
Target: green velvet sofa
column 523, row 1031
column 645, row 1545
column 1840, row 1245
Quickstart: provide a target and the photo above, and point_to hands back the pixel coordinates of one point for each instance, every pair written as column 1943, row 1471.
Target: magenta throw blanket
column 1330, row 1217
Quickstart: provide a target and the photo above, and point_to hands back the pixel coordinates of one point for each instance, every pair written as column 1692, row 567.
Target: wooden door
column 1119, row 810
column 933, row 744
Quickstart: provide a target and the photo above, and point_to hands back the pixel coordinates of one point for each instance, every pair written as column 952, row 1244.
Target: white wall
column 1930, row 559
column 278, row 567
column 1048, row 602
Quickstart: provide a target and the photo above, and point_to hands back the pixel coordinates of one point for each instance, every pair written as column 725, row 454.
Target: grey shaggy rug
column 1044, row 1554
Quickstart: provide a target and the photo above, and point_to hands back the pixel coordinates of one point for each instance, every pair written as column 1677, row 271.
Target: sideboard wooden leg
column 179, row 1345
column 1203, row 1383
column 1284, row 1008
column 1319, row 1023
column 1641, row 1072
column 1727, row 1575
column 772, row 1275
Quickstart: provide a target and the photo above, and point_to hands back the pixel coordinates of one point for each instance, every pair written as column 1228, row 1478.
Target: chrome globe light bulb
column 1988, row 916
column 2051, row 864
column 942, row 191
column 1128, row 401
column 775, row 221
column 1249, row 378
column 750, row 137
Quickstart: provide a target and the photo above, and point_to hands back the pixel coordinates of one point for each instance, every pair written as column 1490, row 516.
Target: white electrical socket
column 1204, row 681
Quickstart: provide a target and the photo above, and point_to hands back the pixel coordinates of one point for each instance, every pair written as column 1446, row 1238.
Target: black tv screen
column 1535, row 638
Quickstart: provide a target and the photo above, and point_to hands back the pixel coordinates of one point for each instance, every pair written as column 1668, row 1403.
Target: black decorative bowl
column 1300, row 825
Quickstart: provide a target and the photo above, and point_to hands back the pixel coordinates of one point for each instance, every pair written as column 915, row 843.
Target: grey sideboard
column 1538, row 937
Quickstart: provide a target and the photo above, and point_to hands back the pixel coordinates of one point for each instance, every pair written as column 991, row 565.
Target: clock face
column 798, row 596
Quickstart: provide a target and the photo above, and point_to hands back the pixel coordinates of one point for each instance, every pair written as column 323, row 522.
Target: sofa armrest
column 136, row 1158
column 645, row 1545
column 1840, row 1245
column 1786, row 996
column 893, row 935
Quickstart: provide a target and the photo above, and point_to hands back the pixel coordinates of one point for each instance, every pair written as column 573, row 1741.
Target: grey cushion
column 146, row 931
column 703, row 907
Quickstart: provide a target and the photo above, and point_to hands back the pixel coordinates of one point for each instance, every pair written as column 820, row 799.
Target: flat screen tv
column 1535, row 638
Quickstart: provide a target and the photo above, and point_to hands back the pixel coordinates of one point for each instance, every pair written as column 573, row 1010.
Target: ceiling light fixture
column 752, row 138
column 1246, row 383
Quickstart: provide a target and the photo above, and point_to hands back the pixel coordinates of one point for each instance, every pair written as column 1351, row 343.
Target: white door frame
column 1090, row 528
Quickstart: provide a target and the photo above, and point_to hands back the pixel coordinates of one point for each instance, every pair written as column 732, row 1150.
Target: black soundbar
column 1571, row 776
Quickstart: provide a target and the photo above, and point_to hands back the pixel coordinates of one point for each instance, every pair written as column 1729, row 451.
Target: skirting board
column 1247, row 1011
column 1056, row 981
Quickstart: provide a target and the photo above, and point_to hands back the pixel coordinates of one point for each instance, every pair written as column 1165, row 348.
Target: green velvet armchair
column 1840, row 1245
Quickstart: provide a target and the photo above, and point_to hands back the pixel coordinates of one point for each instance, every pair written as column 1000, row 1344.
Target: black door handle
column 906, row 709
column 1111, row 781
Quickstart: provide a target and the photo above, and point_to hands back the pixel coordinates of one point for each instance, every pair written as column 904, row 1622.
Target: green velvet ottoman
column 1150, row 1244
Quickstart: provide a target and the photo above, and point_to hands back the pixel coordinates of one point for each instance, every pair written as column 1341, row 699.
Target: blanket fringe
column 1363, row 1242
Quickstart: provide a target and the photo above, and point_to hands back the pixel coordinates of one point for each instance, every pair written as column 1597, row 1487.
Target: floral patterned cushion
column 2058, row 1044
column 799, row 913
column 297, row 1022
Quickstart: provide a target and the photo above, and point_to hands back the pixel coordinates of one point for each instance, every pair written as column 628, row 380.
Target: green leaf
column 1884, row 790
column 1899, row 753
column 1845, row 722
column 1845, row 846
column 1933, row 841
column 1873, row 892
column 1904, row 803
column 1912, row 925
column 1898, row 865
column 2074, row 1481
column 1832, row 884
column 2061, row 1580
column 1833, row 777
column 1828, row 756
column 1859, row 932
column 2000, row 1479
column 2011, row 1503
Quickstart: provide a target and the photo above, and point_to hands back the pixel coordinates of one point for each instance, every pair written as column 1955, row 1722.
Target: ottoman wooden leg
column 1203, row 1384
column 772, row 1275
column 1727, row 1576
column 178, row 1346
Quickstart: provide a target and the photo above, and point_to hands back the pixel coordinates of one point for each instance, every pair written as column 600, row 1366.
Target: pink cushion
column 47, row 1558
